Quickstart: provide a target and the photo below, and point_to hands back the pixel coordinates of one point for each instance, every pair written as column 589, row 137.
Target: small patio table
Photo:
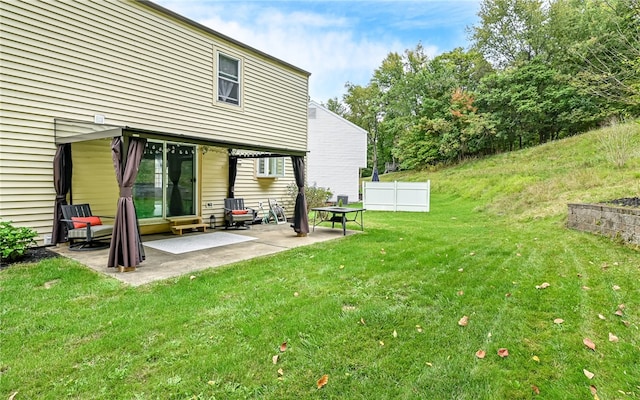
column 338, row 214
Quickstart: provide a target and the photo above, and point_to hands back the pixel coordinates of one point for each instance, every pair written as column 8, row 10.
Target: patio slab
column 159, row 265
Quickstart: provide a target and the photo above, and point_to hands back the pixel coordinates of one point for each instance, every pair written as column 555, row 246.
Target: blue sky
column 338, row 41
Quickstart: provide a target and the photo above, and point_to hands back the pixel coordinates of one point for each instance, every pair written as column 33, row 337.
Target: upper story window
column 228, row 79
column 272, row 167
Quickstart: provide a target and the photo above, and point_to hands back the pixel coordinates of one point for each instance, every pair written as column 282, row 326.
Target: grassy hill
column 539, row 182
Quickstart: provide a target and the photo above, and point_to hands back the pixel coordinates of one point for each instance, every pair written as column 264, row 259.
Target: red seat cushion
column 239, row 212
column 81, row 222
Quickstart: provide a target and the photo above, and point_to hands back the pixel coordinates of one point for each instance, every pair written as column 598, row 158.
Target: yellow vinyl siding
column 65, row 59
column 94, row 180
column 255, row 190
column 165, row 83
column 214, row 182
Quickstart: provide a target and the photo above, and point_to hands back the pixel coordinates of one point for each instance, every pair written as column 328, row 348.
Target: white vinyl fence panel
column 396, row 196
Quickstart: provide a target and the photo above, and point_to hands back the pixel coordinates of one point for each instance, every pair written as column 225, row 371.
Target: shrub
column 14, row 242
column 316, row 196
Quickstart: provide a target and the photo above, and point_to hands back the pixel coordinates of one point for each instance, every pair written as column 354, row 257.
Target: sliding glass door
column 166, row 184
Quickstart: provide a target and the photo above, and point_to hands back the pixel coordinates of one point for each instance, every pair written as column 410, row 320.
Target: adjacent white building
column 337, row 151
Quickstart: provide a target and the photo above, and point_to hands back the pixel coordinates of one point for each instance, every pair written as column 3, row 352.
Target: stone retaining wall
column 614, row 222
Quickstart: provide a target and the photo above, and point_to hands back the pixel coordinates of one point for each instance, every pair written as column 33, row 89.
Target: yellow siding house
column 81, row 72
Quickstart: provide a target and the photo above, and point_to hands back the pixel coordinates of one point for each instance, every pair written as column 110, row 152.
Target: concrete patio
column 159, row 265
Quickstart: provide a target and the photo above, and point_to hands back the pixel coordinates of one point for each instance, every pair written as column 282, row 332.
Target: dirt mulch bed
column 33, row 255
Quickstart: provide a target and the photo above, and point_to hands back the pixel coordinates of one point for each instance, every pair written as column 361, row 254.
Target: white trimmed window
column 228, row 79
column 272, row 167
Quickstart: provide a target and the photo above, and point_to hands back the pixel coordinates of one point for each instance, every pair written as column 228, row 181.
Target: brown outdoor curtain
column 233, row 171
column 300, row 217
column 126, row 246
column 62, row 172
column 174, row 168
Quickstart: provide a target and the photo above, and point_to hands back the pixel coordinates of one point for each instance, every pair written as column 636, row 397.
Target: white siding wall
column 337, row 151
column 136, row 66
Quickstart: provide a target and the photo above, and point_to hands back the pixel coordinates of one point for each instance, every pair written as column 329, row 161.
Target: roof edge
column 210, row 31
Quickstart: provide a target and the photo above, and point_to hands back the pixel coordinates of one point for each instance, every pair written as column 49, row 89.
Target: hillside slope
column 539, row 182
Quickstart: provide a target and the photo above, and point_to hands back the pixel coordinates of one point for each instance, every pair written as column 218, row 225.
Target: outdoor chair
column 85, row 230
column 236, row 214
column 276, row 212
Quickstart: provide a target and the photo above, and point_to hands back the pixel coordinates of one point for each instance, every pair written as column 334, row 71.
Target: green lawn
column 377, row 312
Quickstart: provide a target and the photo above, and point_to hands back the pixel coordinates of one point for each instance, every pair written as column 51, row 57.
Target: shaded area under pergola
column 127, row 146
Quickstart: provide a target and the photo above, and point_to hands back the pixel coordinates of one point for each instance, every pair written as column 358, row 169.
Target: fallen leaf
column 382, row 251
column 593, row 389
column 586, row 288
column 323, row 381
column 395, row 334
column 536, row 358
column 558, row 321
column 613, row 338
column 619, row 313
column 602, row 317
column 362, row 321
column 626, row 323
column 461, row 269
column 472, row 253
column 589, row 343
column 419, row 328
column 280, row 372
column 296, row 294
column 463, row 321
column 535, row 389
column 13, row 395
column 543, row 286
column 481, row 353
column 192, row 277
column 621, row 306
column 381, row 343
column 503, row 352
column 588, row 374
column 341, row 266
column 615, row 287
column 429, row 364
column 274, row 359
column 283, row 347
column 507, row 295
column 460, row 293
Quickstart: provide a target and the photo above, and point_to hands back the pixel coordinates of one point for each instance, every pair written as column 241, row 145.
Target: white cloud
column 326, row 48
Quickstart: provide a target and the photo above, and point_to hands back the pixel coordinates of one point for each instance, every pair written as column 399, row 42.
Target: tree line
column 535, row 71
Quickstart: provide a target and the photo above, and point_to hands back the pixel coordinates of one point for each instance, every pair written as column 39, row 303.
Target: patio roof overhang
column 73, row 131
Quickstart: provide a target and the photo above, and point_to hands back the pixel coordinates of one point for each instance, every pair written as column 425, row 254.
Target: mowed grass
column 377, row 312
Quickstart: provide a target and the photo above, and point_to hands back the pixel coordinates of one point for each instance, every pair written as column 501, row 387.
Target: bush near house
column 316, row 196
column 15, row 241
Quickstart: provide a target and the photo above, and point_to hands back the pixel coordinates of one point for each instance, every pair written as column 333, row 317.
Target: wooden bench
column 179, row 224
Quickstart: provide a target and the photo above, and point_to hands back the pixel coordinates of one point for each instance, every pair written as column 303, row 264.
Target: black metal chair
column 236, row 214
column 85, row 230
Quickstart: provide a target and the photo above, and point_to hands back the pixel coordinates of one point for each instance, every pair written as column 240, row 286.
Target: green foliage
column 15, row 241
column 316, row 196
column 537, row 71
